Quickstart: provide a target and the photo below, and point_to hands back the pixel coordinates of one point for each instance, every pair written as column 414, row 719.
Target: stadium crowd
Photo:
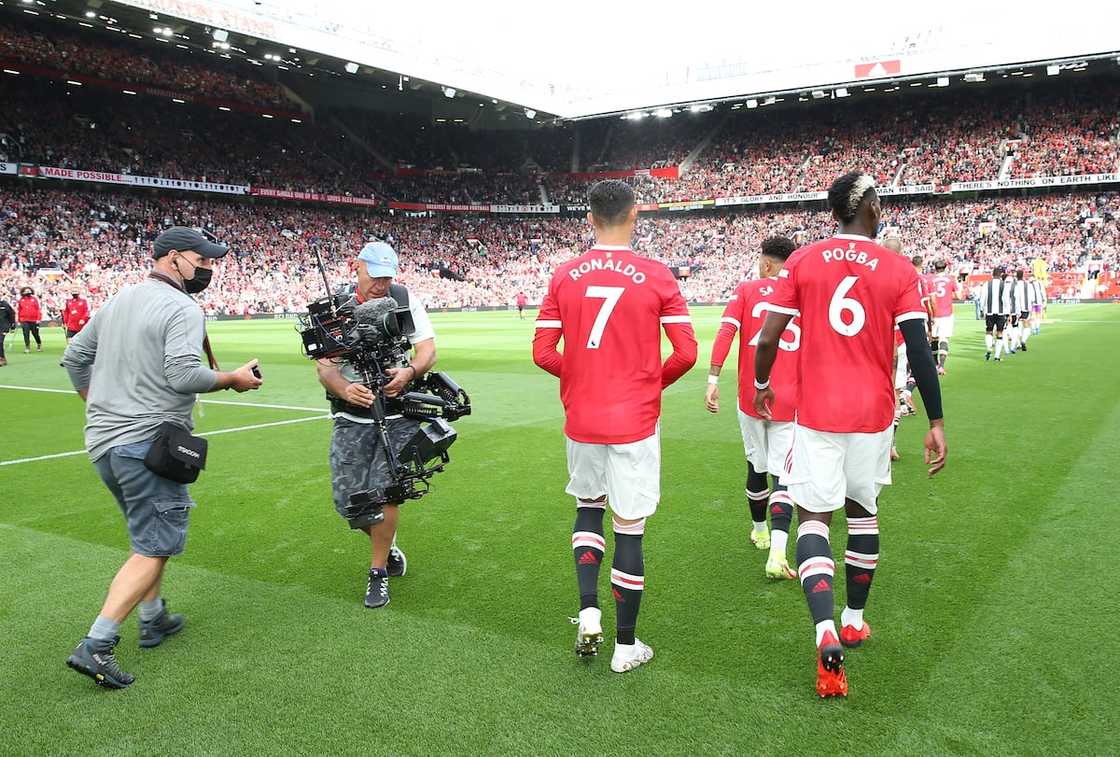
column 1051, row 129
column 53, row 240
column 57, row 48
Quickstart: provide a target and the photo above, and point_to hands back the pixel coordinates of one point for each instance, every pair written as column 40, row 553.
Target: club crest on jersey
column 598, row 264
column 850, row 255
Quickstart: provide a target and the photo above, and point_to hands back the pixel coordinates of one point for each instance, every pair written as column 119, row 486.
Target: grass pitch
column 994, row 620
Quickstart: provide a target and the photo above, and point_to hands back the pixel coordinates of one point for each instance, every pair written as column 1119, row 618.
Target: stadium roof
column 580, row 58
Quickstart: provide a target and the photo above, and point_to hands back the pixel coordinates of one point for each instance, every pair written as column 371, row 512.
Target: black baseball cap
column 183, row 238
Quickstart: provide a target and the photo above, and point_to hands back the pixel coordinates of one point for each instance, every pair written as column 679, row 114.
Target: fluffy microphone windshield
column 374, row 310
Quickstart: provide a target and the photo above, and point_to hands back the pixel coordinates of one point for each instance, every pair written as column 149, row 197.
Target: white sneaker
column 629, row 656
column 590, row 634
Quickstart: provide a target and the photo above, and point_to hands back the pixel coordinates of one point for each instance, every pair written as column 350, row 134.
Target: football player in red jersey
column 609, row 306
column 942, row 288
column 766, row 442
column 849, row 293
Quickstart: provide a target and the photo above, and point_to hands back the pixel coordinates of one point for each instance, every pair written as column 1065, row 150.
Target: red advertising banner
column 422, row 206
column 287, row 194
column 147, row 89
column 878, row 69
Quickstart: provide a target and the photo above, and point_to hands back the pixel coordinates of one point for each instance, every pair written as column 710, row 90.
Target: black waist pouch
column 176, row 455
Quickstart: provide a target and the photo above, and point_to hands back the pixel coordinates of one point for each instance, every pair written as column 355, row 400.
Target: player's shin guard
column 860, row 560
column 781, row 513
column 588, row 547
column 815, row 568
column 758, row 490
column 627, row 578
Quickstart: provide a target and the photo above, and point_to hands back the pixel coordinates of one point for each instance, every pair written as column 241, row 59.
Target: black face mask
column 200, row 281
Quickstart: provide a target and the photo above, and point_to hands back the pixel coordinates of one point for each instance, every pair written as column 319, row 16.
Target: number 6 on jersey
column 610, row 297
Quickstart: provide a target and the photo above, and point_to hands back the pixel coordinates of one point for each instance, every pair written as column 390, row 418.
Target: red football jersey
column 609, row 305
column 941, row 288
column 76, row 314
column 850, row 294
column 746, row 312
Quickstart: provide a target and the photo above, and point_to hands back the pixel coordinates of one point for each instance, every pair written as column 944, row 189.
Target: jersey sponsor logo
column 851, row 255
column 598, row 264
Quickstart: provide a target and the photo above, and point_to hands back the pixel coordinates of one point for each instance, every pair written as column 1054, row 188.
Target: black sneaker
column 153, row 632
column 398, row 563
column 377, row 590
column 95, row 658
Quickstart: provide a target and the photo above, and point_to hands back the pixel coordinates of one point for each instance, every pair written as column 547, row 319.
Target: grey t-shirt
column 139, row 358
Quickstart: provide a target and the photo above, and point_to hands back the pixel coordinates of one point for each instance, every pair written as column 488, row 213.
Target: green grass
column 994, row 619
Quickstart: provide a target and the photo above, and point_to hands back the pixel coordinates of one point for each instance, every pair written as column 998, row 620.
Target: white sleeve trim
column 548, row 324
column 779, row 309
column 676, row 319
column 911, row 317
column 732, row 321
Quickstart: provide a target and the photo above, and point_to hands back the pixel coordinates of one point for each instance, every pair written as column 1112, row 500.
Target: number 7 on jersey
column 610, row 297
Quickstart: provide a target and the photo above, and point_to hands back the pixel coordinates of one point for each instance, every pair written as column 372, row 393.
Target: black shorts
column 1024, row 316
column 997, row 322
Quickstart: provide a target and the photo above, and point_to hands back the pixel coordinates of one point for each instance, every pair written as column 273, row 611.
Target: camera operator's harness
column 368, row 336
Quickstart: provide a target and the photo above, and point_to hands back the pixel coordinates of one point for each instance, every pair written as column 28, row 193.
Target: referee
column 137, row 366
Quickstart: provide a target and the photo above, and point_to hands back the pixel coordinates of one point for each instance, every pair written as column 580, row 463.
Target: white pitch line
column 261, row 404
column 205, row 402
column 205, row 433
column 39, row 389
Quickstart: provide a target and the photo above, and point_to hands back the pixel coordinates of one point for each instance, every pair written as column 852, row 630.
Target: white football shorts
column 943, row 327
column 766, row 443
column 629, row 474
column 902, row 369
column 825, row 468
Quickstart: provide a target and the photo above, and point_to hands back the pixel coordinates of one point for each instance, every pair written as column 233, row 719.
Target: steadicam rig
column 370, row 338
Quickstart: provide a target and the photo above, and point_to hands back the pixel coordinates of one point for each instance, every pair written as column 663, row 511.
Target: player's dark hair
column 779, row 248
column 1019, row 275
column 916, row 260
column 847, row 194
column 610, row 201
column 940, row 265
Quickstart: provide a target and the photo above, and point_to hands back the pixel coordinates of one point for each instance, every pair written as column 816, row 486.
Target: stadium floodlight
column 841, row 91
column 153, row 16
column 449, row 92
column 351, row 68
column 974, row 77
column 942, row 81
column 91, row 14
column 752, row 104
column 818, row 94
column 663, row 113
column 530, row 113
column 1052, row 69
column 221, row 35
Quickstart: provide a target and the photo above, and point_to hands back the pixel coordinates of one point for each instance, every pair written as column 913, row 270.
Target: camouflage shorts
column 358, row 462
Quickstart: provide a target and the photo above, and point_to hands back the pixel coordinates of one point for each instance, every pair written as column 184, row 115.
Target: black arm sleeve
column 922, row 366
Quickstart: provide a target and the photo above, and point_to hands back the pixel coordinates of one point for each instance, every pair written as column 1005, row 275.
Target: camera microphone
column 374, row 310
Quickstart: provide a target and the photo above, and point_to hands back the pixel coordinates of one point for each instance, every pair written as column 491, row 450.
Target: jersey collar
column 857, row 237
column 613, row 247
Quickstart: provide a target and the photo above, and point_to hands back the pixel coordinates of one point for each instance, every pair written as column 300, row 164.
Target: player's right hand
column 711, row 398
column 243, row 378
column 936, row 449
column 358, row 394
column 763, row 401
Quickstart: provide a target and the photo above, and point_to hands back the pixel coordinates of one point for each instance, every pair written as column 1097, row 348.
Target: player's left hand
column 711, row 398
column 763, row 401
column 401, row 378
column 936, row 449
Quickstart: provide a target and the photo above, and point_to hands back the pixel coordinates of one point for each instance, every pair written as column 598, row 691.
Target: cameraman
column 356, row 458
